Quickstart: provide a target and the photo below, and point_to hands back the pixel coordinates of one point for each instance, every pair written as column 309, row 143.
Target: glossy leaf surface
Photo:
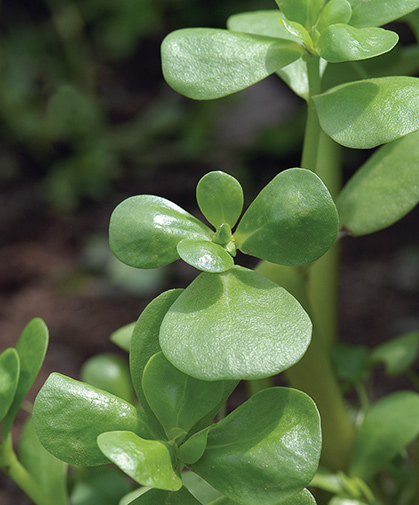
column 205, row 63
column 304, row 497
column 144, row 231
column 397, row 354
column 31, row 348
column 264, row 22
column 388, row 427
column 69, row 415
column 9, row 377
column 205, row 255
column 335, row 11
column 49, row 472
column 264, row 451
column 148, row 462
column 158, row 497
column 177, row 399
column 292, row 221
column 220, row 198
column 235, row 325
column 379, row 12
column 122, row 336
column 365, row 114
column 341, row 42
column 304, row 12
column 384, row 189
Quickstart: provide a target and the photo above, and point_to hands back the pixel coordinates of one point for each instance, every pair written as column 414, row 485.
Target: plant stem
column 12, row 467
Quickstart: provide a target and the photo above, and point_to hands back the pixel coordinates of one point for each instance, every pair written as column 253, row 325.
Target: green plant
column 190, row 347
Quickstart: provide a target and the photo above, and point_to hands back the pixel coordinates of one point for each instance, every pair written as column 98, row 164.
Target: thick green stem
column 12, row 467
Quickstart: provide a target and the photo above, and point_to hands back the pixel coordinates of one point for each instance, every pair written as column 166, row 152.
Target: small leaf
column 122, row 336
column 235, row 325
column 193, row 449
column 148, row 462
column 158, row 497
column 388, row 427
column 341, row 42
column 204, row 255
column 69, row 415
column 31, row 348
column 292, row 221
column 49, row 472
column 304, row 12
column 220, row 198
column 298, row 31
column 204, row 63
column 243, row 450
column 177, row 399
column 145, row 230
column 398, row 354
column 379, row 12
column 9, row 377
column 383, row 190
column 350, row 362
column 109, row 372
column 335, row 11
column 264, row 22
column 365, row 114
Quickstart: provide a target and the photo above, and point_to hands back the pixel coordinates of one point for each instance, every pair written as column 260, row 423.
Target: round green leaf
column 31, row 348
column 398, row 354
column 292, row 221
column 9, row 377
column 149, row 462
column 380, row 12
column 205, row 255
column 69, row 415
column 383, row 190
column 266, row 450
column 365, row 114
column 158, row 497
column 144, row 231
column 220, row 198
column 177, row 399
column 341, row 42
column 234, row 325
column 204, row 63
column 388, row 427
column 264, row 22
column 335, row 11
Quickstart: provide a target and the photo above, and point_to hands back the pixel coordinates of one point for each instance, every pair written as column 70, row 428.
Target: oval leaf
column 398, row 354
column 9, row 378
column 144, row 231
column 383, row 190
column 341, row 42
column 148, row 462
column 158, row 497
column 388, row 427
column 177, row 399
column 365, row 114
column 190, row 451
column 220, row 198
column 204, row 255
column 264, row 451
column 31, row 348
column 264, row 22
column 292, row 221
column 69, row 415
column 379, row 12
column 235, row 325
column 49, row 472
column 204, row 63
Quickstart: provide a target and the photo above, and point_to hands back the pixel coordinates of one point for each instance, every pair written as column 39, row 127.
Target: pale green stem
column 12, row 467
column 256, row 385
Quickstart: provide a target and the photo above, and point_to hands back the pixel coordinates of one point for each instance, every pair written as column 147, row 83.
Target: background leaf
column 398, row 354
column 365, row 114
column 157, row 497
column 341, row 42
column 235, row 325
column 122, row 336
column 199, row 487
column 388, row 427
column 49, row 472
column 292, row 221
column 9, row 378
column 31, row 348
column 384, row 189
column 205, row 255
column 204, row 63
column 148, row 462
column 379, row 12
column 69, row 415
column 145, row 229
column 264, row 451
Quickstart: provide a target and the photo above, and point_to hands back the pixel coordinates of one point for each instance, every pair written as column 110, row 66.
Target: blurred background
column 87, row 120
